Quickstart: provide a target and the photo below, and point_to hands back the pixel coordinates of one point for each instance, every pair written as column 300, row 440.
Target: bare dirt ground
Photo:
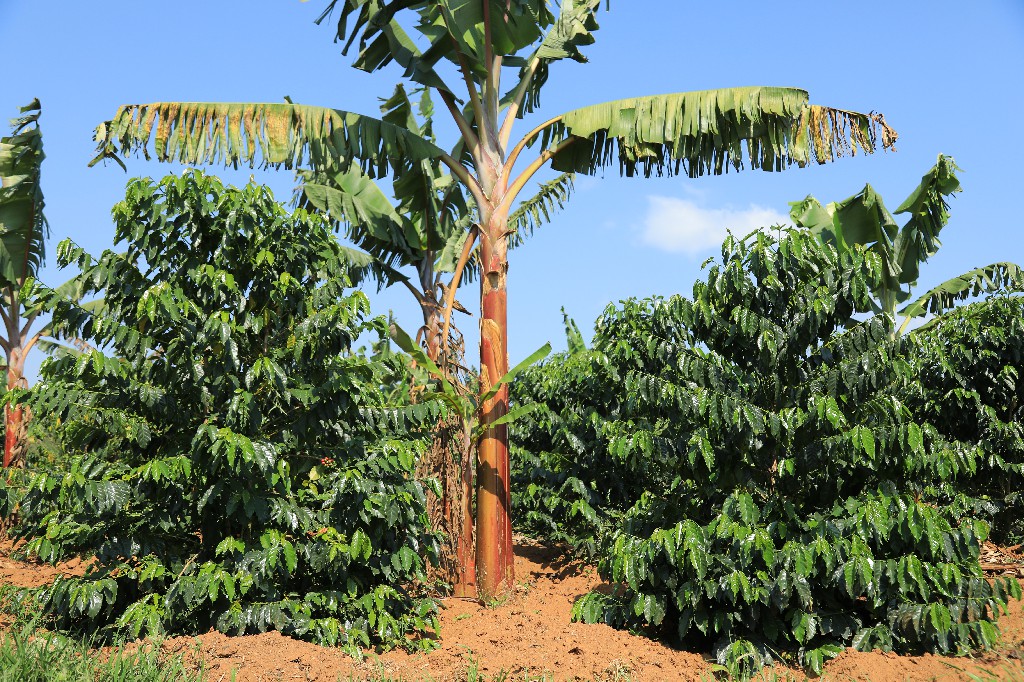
column 531, row 632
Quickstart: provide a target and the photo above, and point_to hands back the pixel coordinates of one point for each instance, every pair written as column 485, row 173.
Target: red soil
column 531, row 632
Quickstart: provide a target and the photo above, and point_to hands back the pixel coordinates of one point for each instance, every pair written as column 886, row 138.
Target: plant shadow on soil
column 529, row 635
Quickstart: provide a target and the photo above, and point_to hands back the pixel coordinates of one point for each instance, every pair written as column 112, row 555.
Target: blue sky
column 946, row 75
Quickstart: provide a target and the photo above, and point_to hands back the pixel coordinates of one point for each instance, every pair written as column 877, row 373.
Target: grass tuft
column 29, row 654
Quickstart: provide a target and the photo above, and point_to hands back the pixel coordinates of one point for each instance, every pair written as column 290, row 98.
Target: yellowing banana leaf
column 708, row 131
column 278, row 135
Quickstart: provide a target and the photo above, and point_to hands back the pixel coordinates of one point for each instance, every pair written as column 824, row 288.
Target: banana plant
column 863, row 219
column 23, row 232
column 420, row 229
column 457, row 399
column 500, row 53
column 425, row 228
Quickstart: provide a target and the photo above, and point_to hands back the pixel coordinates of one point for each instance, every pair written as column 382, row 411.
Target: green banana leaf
column 863, row 219
column 574, row 29
column 23, row 226
column 997, row 277
column 446, row 28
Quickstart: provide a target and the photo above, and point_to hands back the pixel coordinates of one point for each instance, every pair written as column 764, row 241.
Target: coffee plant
column 970, row 371
column 781, row 515
column 234, row 463
column 566, row 486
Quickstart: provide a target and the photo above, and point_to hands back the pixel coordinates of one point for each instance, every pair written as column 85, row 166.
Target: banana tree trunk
column 433, row 321
column 16, row 415
column 887, row 301
column 466, row 586
column 14, row 437
column 449, row 460
column 494, row 558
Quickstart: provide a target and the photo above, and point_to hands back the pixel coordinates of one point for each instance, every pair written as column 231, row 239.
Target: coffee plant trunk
column 494, row 558
column 16, row 416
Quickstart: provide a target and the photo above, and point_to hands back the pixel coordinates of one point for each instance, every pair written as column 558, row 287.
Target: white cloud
column 684, row 226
